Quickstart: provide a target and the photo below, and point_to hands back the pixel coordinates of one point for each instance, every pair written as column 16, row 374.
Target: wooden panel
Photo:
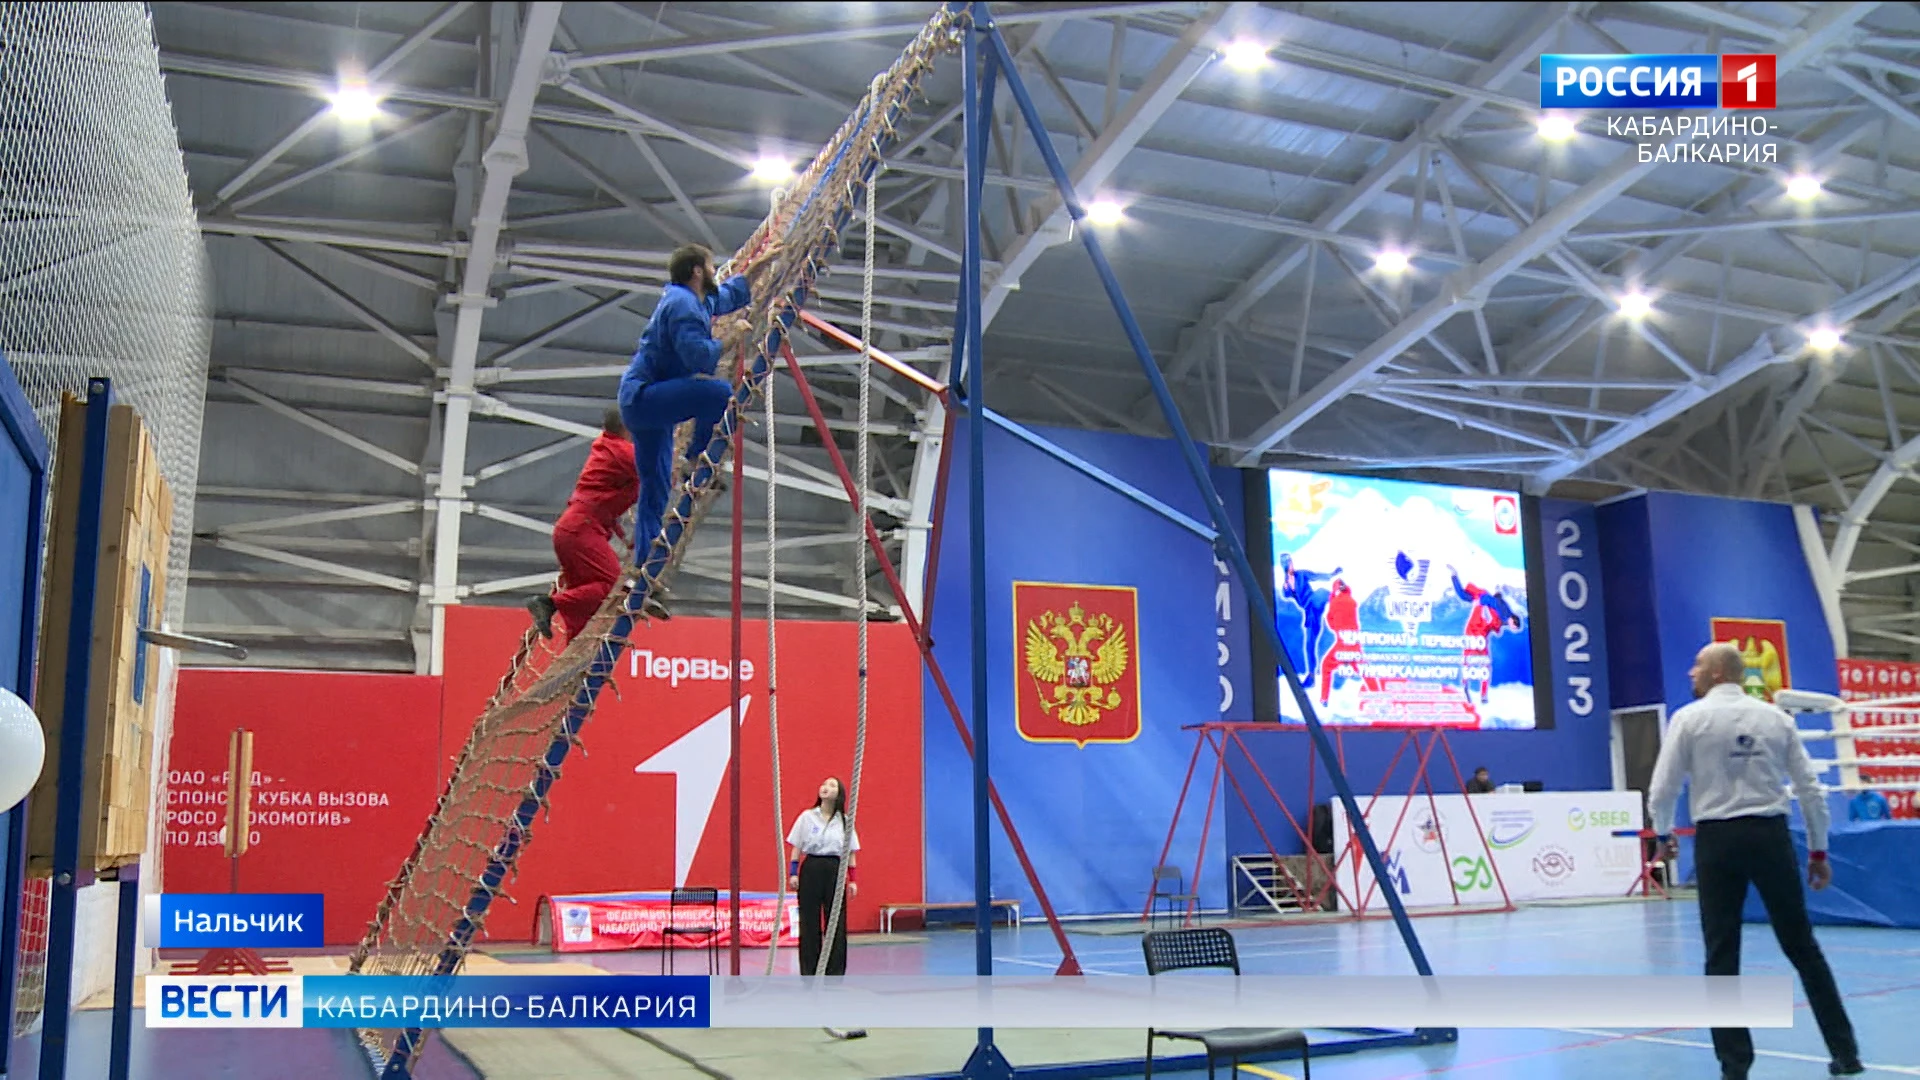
column 135, row 529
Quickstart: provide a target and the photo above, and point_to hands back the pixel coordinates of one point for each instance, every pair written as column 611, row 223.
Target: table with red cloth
column 608, row 922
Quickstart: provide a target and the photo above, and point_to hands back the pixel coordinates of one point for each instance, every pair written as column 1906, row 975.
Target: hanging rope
column 860, row 473
column 773, row 673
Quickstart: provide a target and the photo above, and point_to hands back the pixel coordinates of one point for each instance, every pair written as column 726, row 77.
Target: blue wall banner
column 1093, row 814
column 1680, row 566
column 1576, row 614
column 1233, row 627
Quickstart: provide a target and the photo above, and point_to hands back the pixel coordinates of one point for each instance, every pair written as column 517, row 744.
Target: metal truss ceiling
column 421, row 317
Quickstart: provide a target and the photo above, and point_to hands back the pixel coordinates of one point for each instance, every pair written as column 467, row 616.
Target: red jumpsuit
column 1482, row 622
column 583, row 537
column 1343, row 616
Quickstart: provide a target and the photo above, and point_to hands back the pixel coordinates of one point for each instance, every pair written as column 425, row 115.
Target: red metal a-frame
column 1219, row 737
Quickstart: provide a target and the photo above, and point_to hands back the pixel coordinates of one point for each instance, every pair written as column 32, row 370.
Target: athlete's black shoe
column 543, row 611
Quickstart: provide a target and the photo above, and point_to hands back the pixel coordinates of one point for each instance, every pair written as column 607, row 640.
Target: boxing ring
column 1876, row 748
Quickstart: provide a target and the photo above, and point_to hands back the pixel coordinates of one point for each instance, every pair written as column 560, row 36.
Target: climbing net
column 436, row 906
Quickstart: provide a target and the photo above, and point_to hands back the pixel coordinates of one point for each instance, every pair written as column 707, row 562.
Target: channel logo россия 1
column 1658, row 81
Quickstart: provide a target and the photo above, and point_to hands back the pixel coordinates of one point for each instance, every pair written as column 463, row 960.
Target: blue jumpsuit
column 670, row 381
column 1305, row 589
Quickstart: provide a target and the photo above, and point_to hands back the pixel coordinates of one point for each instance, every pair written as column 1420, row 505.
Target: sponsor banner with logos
column 639, row 920
column 1540, row 846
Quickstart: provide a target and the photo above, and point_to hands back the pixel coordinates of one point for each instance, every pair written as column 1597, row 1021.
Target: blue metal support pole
column 1229, row 544
column 78, row 680
column 976, row 119
column 120, row 1053
column 18, row 426
column 1097, row 474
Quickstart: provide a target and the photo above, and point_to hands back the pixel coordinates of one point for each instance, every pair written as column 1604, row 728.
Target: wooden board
column 136, row 519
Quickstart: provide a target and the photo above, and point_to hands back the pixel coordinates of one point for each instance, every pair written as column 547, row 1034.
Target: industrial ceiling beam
column 786, row 39
column 1829, row 24
column 505, row 158
column 378, row 72
column 1772, row 347
column 1447, row 119
column 1179, row 67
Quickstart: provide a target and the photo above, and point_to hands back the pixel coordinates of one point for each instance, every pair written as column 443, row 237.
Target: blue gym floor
column 1879, row 971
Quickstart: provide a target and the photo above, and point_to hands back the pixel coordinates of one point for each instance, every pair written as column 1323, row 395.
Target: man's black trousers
column 1729, row 855
column 819, row 876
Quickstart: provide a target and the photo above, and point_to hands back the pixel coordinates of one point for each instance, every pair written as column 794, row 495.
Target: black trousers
column 1728, row 856
column 819, row 876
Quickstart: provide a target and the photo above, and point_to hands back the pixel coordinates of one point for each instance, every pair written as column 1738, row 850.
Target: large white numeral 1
column 1751, row 76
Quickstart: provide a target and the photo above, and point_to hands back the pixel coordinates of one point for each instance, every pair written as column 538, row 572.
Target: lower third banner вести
column 1122, row 1001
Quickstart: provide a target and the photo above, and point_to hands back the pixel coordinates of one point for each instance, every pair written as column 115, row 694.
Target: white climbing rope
column 860, row 472
column 773, row 670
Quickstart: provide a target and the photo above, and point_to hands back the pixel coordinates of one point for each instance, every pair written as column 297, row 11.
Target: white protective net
column 102, row 268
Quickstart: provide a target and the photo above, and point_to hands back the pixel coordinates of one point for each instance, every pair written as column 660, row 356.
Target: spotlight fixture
column 772, row 170
column 1244, row 54
column 1104, row 212
column 1824, row 339
column 1635, row 305
column 1392, row 262
column 354, row 103
column 1803, row 187
column 1556, row 127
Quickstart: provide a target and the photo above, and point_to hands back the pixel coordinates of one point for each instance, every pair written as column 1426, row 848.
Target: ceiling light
column 1824, row 339
column 1803, row 188
column 1245, row 55
column 1392, row 261
column 1104, row 212
column 772, row 170
column 1635, row 305
column 354, row 103
column 1555, row 127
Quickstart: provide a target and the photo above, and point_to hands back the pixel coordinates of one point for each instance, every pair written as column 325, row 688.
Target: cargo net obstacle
column 437, row 905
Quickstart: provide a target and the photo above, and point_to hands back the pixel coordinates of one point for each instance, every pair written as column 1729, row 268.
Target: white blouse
column 813, row 834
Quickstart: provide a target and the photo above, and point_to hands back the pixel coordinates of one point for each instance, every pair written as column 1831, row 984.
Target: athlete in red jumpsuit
column 1342, row 618
column 1490, row 615
column 583, row 537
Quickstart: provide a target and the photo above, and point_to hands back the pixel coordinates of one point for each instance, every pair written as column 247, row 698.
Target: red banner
column 639, row 920
column 348, row 768
column 647, row 806
column 1863, row 680
column 1078, row 664
column 343, row 779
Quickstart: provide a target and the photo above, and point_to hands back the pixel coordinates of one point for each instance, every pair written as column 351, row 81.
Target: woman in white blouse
column 816, row 844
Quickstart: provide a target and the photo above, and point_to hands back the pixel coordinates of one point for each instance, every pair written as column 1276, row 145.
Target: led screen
column 1402, row 604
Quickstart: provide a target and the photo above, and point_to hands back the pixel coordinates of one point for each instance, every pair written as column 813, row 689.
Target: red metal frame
column 1222, row 736
column 1069, row 964
column 1646, row 884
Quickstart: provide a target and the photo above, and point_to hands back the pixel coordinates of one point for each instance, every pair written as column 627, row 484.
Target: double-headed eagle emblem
column 1073, row 658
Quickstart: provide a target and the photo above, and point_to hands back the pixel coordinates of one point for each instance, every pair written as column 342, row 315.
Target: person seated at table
column 1481, row 784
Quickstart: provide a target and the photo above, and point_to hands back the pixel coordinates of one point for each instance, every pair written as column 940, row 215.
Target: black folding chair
column 1212, row 947
column 694, row 899
column 1175, row 901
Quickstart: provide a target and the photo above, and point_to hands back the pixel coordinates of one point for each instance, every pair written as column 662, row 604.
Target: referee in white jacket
column 1740, row 753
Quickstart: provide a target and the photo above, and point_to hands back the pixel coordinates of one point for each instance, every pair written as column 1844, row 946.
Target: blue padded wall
column 1094, row 819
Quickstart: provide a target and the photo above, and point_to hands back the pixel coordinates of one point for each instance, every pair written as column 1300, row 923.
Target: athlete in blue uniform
column 1309, row 592
column 672, row 380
